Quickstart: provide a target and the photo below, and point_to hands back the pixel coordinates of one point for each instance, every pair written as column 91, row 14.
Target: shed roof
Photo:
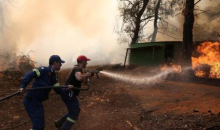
column 145, row 45
column 153, row 44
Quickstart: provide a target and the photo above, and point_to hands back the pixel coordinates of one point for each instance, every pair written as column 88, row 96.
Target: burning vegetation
column 18, row 66
column 206, row 63
column 174, row 67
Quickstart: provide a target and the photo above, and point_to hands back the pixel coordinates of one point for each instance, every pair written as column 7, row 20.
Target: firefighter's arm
column 56, row 84
column 82, row 77
column 28, row 77
column 57, row 90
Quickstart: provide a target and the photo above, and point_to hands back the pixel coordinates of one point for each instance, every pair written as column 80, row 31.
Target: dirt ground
column 111, row 104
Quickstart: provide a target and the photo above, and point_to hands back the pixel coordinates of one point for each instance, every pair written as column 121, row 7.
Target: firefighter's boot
column 60, row 122
column 68, row 124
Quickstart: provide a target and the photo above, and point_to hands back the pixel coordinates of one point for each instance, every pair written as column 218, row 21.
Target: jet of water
column 141, row 80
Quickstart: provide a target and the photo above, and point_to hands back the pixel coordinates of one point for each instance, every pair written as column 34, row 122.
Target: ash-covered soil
column 112, row 104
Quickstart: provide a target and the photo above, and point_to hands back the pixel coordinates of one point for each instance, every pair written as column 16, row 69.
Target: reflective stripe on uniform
column 71, row 120
column 56, row 84
column 37, row 72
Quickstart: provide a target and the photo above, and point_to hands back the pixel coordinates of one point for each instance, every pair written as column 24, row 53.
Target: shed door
column 169, row 49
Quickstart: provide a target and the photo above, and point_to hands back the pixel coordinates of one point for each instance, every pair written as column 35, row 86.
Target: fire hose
column 54, row 87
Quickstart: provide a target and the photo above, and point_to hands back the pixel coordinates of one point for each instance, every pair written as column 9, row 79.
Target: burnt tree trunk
column 188, row 33
column 138, row 22
column 155, row 21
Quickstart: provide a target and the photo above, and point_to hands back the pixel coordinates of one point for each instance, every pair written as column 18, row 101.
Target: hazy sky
column 68, row 28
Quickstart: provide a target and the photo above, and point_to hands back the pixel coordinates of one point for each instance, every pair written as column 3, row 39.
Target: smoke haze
column 67, row 28
column 70, row 28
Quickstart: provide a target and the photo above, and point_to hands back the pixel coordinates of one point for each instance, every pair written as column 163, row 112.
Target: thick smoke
column 206, row 26
column 67, row 28
column 71, row 28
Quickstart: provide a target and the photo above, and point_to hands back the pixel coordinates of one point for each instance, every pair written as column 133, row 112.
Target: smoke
column 206, row 27
column 206, row 24
column 173, row 30
column 67, row 28
column 70, row 28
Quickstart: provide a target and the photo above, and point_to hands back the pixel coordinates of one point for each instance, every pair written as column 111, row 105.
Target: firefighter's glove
column 70, row 87
column 92, row 74
column 88, row 75
column 21, row 90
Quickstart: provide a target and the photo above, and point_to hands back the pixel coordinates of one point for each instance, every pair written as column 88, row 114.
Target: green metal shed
column 154, row 53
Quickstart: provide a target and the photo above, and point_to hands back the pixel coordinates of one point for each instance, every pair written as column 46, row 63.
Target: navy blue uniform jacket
column 43, row 77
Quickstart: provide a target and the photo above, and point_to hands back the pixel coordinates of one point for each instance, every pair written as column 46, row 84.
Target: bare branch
column 197, row 2
column 169, row 35
column 127, row 1
column 132, row 23
column 149, row 37
column 145, row 24
column 136, row 14
column 169, row 23
column 147, row 18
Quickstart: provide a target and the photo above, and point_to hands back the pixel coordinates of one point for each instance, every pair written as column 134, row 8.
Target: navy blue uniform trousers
column 72, row 105
column 35, row 110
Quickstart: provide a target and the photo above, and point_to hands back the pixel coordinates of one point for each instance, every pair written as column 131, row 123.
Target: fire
column 200, row 73
column 208, row 63
column 215, row 70
column 163, row 67
column 176, row 68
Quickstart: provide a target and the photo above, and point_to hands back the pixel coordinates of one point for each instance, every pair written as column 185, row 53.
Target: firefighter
column 43, row 76
column 69, row 97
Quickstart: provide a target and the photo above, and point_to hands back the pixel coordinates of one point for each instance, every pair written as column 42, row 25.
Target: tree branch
column 197, row 2
column 149, row 37
column 145, row 24
column 146, row 18
column 127, row 1
column 178, row 13
column 169, row 35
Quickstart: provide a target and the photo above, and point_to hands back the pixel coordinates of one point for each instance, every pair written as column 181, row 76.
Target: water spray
column 142, row 80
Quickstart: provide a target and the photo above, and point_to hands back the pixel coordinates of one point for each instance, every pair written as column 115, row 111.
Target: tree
column 155, row 21
column 188, row 13
column 137, row 21
column 208, row 25
column 136, row 14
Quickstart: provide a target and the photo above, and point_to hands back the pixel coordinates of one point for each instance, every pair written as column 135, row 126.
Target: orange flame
column 163, row 67
column 200, row 73
column 209, row 55
column 176, row 68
